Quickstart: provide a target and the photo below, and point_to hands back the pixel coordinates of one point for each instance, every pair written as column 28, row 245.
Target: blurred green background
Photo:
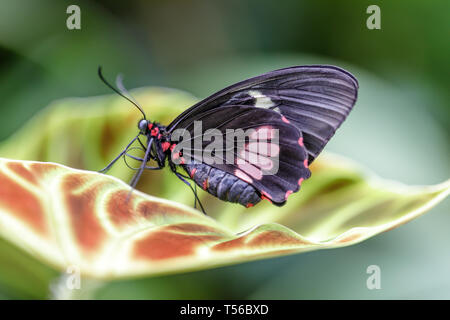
column 400, row 127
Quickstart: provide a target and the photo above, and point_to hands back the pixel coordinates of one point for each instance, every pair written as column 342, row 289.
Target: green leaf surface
column 67, row 217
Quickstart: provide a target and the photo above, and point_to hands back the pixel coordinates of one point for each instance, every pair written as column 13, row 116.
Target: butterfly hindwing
column 270, row 155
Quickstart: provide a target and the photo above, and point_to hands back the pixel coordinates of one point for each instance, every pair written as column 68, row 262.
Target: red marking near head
column 285, row 120
column 172, row 147
column 288, row 193
column 305, row 163
column 175, row 156
column 150, row 126
column 193, row 172
column 182, row 160
column 249, row 205
column 165, row 146
column 300, row 142
column 154, row 132
column 300, row 181
column 205, row 184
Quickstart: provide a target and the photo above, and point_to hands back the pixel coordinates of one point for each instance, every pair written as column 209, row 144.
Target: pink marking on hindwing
column 266, row 196
column 261, row 162
column 264, row 148
column 288, row 193
column 265, row 163
column 251, row 170
column 285, row 119
column 263, row 133
column 243, row 176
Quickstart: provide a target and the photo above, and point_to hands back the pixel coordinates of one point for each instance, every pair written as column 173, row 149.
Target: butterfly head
column 143, row 126
column 152, row 129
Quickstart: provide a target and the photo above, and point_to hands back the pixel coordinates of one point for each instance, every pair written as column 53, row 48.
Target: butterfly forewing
column 315, row 99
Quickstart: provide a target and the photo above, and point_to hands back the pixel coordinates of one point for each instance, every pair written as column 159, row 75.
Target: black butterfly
column 296, row 109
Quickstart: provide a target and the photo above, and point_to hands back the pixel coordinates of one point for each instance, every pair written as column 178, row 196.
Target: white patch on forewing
column 261, row 101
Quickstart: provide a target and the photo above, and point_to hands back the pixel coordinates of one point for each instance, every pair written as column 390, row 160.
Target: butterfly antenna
column 122, row 92
column 119, row 84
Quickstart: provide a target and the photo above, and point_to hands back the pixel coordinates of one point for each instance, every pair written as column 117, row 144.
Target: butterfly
column 284, row 118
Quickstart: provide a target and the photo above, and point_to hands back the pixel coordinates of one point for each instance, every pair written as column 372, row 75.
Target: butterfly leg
column 195, row 198
column 141, row 160
column 118, row 157
column 180, row 176
column 138, row 174
column 145, row 149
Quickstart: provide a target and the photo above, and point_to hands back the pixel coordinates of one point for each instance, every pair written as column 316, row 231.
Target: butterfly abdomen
column 223, row 185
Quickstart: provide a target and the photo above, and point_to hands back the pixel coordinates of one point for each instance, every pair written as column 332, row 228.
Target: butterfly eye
column 143, row 125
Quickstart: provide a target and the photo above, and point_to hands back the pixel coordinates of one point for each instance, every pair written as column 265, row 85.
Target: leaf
column 68, row 217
